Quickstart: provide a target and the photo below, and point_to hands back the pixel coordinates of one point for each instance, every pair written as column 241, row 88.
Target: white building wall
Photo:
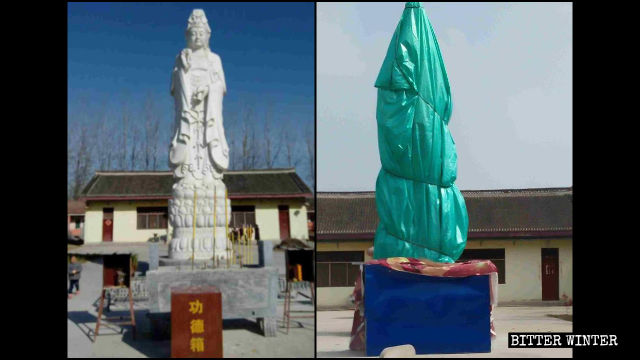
column 267, row 220
column 523, row 261
column 298, row 228
column 523, row 274
column 334, row 297
column 565, row 253
column 125, row 221
column 93, row 224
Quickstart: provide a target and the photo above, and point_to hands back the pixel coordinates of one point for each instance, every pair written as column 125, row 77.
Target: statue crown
column 198, row 19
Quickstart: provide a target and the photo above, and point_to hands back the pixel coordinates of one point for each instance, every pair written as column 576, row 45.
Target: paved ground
column 334, row 328
column 241, row 338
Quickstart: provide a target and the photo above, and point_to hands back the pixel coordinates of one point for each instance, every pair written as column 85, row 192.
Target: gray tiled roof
column 76, row 207
column 346, row 213
column 158, row 183
column 495, row 211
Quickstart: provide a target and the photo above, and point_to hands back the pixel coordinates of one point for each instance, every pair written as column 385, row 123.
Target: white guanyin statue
column 199, row 152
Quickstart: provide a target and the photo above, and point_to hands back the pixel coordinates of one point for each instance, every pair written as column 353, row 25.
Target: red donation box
column 196, row 322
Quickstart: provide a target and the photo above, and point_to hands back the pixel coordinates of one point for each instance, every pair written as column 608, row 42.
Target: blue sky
column 510, row 71
column 118, row 50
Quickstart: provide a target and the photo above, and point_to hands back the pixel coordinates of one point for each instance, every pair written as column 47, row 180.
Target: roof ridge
column 89, row 185
column 302, row 186
column 515, row 192
column 521, row 228
column 503, row 212
column 542, row 189
column 159, row 183
column 346, row 193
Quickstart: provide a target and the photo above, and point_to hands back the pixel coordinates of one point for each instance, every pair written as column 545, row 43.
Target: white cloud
column 346, row 58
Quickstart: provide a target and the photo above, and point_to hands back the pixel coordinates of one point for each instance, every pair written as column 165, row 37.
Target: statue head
column 198, row 30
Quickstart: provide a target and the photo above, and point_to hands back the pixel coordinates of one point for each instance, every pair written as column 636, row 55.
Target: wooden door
column 283, row 216
column 107, row 224
column 550, row 274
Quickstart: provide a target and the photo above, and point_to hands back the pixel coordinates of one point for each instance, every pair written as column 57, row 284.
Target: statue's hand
column 185, row 55
column 200, row 94
column 197, row 97
column 203, row 91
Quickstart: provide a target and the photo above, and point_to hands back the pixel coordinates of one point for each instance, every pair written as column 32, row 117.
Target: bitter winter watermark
column 559, row 340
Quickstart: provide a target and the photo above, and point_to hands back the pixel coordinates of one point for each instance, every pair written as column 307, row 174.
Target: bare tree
column 249, row 150
column 290, row 141
column 110, row 141
column 309, row 140
column 82, row 164
column 71, row 157
column 230, row 133
column 110, row 145
column 122, row 158
column 135, row 137
column 81, row 147
column 270, row 142
column 99, row 135
column 151, row 127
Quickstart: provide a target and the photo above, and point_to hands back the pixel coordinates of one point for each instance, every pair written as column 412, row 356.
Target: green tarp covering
column 422, row 213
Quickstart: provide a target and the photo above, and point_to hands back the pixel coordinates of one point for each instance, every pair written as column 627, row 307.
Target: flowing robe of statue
column 422, row 213
column 198, row 155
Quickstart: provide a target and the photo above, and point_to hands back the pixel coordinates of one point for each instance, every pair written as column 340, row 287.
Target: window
column 77, row 220
column 338, row 268
column 152, row 217
column 243, row 215
column 495, row 255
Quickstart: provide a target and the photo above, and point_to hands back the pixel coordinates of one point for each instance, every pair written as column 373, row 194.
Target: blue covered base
column 437, row 315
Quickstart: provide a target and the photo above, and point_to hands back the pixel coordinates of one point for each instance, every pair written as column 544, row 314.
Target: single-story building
column 75, row 217
column 311, row 218
column 527, row 233
column 132, row 206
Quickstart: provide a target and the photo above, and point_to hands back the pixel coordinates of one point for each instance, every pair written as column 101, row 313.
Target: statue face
column 197, row 38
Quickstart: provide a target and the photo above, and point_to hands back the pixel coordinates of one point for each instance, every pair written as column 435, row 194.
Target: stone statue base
column 210, row 239
column 247, row 293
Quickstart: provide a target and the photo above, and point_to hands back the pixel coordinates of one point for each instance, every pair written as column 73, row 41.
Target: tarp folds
column 413, row 141
column 422, row 213
column 424, row 220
